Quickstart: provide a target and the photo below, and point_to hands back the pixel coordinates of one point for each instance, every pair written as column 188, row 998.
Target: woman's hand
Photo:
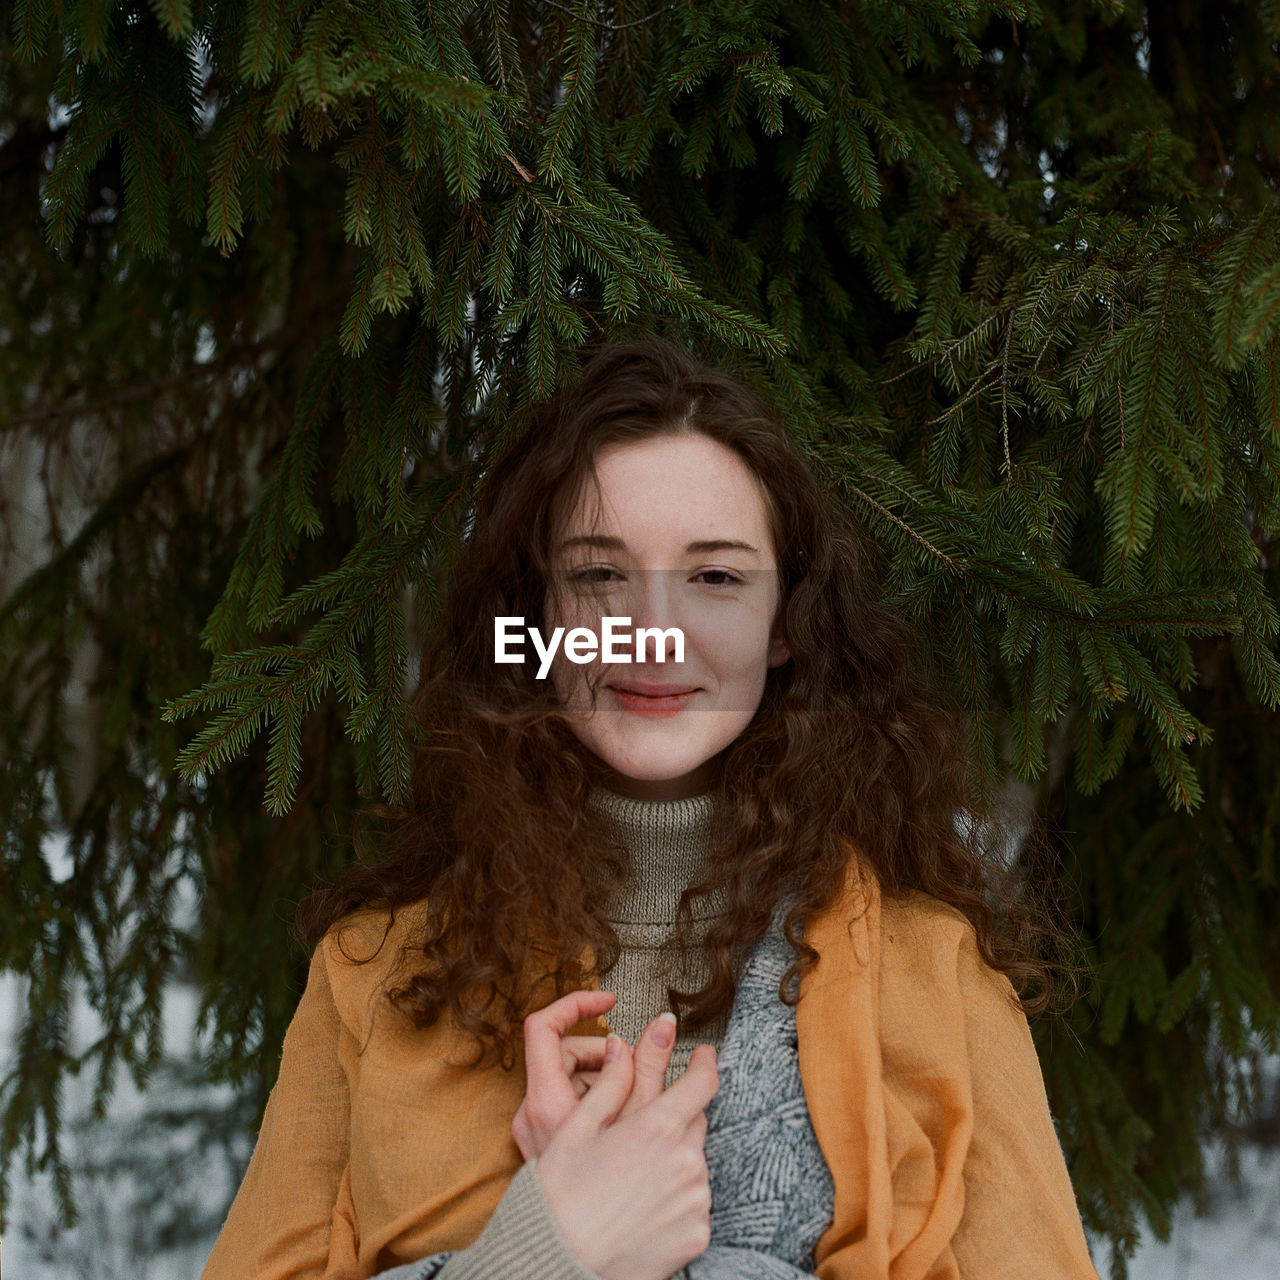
column 622, row 1168
column 559, row 1068
column 555, row 1064
column 626, row 1178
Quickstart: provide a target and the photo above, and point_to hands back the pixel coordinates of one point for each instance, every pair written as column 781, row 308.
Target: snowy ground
column 1239, row 1239
column 143, row 1143
column 125, row 1231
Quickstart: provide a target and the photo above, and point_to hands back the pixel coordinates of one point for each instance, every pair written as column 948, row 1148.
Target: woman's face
column 680, row 538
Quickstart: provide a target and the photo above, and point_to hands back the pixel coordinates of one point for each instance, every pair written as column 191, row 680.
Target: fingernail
column 664, row 1030
column 613, row 1048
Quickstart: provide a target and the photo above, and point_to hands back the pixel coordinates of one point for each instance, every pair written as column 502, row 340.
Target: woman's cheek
column 741, row 651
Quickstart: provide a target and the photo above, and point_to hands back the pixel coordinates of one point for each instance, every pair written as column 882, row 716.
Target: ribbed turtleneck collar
column 669, row 840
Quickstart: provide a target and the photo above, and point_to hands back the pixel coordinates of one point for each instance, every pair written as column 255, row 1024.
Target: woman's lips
column 656, row 703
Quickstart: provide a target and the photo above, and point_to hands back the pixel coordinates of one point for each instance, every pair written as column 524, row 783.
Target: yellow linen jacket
column 918, row 1068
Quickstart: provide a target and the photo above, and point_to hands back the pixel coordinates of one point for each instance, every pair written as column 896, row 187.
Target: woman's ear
column 778, row 652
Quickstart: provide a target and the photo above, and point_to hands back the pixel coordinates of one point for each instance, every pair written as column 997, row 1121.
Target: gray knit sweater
column 772, row 1192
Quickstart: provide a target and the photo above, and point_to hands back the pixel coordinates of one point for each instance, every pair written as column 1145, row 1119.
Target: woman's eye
column 727, row 579
column 593, row 575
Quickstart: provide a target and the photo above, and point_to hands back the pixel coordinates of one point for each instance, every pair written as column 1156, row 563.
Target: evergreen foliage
column 279, row 274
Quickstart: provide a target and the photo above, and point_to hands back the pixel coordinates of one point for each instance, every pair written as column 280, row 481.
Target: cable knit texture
column 771, row 1190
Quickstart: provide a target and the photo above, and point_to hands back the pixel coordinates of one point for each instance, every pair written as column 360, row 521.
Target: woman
column 754, row 837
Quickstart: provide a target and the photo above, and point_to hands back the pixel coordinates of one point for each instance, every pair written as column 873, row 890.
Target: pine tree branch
column 193, row 374
column 608, row 26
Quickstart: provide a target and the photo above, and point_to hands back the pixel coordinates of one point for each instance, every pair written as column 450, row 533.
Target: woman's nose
column 654, row 607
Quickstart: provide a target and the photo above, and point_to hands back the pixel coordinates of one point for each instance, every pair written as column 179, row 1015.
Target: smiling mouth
column 657, row 690
column 659, row 702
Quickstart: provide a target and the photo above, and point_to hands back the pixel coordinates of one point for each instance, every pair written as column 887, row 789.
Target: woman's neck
column 669, row 842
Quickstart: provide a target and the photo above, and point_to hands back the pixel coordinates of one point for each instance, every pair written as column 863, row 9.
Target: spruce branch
column 355, row 600
column 608, row 26
column 174, row 16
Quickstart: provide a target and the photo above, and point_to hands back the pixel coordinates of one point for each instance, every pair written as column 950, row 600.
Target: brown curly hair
column 852, row 745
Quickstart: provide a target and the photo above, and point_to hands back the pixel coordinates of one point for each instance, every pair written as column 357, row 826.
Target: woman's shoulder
column 364, row 951
column 911, row 937
column 907, row 920
column 366, row 933
column 922, row 941
column 933, row 946
column 915, row 917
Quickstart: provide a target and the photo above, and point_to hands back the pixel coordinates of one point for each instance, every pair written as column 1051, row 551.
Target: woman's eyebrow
column 608, row 543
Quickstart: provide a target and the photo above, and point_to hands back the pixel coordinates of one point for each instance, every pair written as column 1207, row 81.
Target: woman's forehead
column 667, row 489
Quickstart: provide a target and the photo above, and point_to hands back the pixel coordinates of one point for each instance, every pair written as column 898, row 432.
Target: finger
column 652, row 1054
column 690, row 1094
column 560, row 1015
column 606, row 1097
column 544, row 1063
column 582, row 1053
column 523, row 1134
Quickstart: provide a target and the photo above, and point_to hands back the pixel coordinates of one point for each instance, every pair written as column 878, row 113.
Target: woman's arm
column 280, row 1223
column 625, row 1188
column 287, row 1218
column 292, row 1218
column 521, row 1239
